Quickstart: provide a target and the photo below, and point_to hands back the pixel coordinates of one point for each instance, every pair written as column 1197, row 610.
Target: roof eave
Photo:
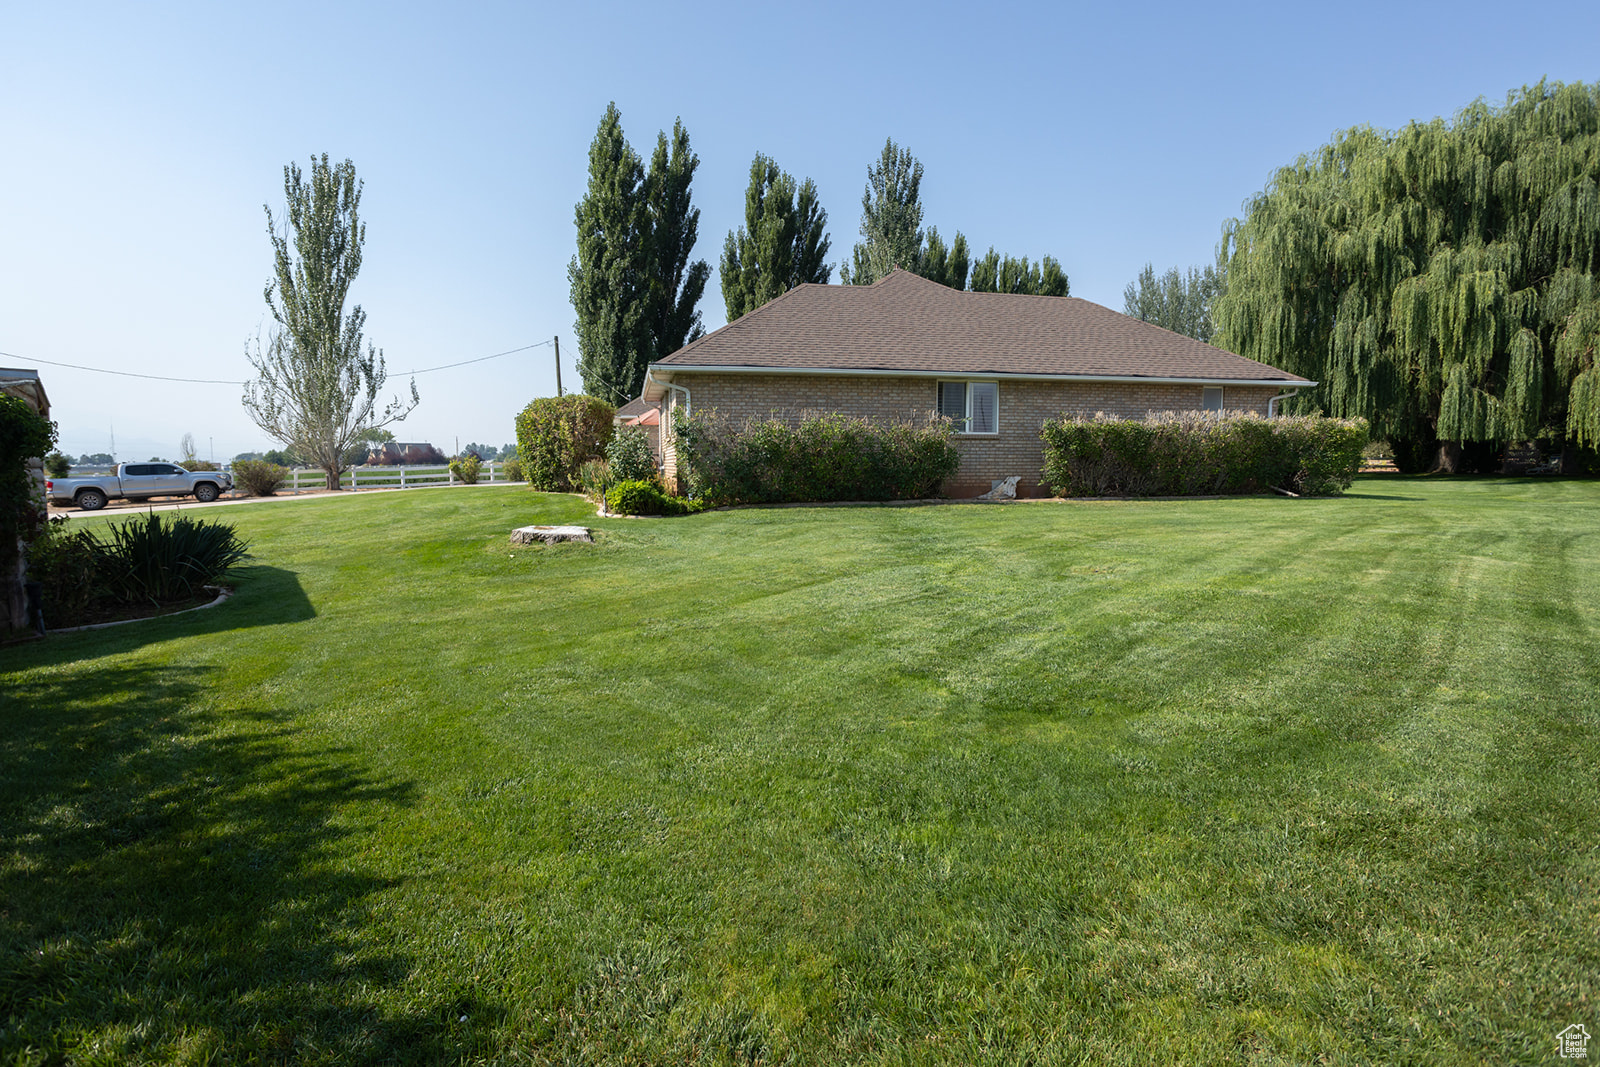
column 880, row 372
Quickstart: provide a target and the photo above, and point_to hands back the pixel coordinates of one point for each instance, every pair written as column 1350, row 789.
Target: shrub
column 194, row 465
column 66, row 565
column 149, row 559
column 24, row 435
column 822, row 457
column 557, row 434
column 1197, row 453
column 57, row 466
column 512, row 468
column 629, row 457
column 640, row 497
column 258, row 477
column 465, row 468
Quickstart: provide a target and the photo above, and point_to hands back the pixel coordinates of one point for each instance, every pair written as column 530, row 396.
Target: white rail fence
column 390, row 477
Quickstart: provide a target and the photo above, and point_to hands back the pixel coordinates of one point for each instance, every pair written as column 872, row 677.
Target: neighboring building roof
column 649, row 418
column 633, row 408
column 25, row 384
column 904, row 324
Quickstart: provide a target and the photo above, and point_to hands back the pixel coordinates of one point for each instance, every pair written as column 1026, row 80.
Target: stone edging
column 222, row 594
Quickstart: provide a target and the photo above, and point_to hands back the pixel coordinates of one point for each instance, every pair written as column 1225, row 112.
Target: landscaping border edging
column 222, row 594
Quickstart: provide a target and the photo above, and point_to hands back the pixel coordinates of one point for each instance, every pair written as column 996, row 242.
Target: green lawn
column 1253, row 781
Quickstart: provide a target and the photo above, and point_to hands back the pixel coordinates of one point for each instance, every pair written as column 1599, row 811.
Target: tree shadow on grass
column 263, row 596
column 176, row 884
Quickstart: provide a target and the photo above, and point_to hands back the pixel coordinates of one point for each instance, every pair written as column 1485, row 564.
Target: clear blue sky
column 141, row 141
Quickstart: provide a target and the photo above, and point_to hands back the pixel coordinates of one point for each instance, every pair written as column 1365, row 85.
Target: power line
column 123, row 373
column 216, row 381
column 480, row 359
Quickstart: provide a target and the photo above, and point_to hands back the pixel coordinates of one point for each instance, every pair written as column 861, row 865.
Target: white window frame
column 963, row 424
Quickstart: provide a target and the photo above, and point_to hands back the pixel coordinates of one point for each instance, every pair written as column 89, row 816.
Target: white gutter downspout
column 666, row 431
column 1272, row 410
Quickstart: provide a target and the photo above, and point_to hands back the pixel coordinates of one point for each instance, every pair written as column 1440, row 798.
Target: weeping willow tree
column 1440, row 281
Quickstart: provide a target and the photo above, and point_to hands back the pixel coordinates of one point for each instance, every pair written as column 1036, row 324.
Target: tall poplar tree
column 995, row 273
column 672, row 319
column 1442, row 281
column 891, row 218
column 1180, row 302
column 891, row 223
column 632, row 283
column 316, row 388
column 947, row 266
column 783, row 242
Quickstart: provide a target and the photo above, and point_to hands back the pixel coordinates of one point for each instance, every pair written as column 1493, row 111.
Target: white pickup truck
column 138, row 481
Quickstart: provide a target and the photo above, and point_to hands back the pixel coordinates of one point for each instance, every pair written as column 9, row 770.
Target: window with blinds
column 973, row 406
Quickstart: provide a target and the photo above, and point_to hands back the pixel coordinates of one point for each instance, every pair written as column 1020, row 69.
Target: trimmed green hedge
column 1201, row 454
column 639, row 497
column 557, row 434
column 823, row 457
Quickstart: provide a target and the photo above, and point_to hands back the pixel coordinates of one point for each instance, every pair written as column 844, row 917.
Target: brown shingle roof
column 905, row 323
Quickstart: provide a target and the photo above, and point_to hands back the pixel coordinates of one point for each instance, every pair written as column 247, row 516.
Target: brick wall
column 1024, row 407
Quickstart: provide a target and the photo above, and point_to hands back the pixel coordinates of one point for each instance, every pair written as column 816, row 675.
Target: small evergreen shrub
column 822, row 457
column 1201, row 454
column 466, row 468
column 57, row 466
column 557, row 434
column 635, row 497
column 258, row 477
column 629, row 457
column 640, row 497
column 512, row 469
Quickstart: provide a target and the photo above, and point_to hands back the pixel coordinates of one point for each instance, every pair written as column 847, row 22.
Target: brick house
column 998, row 364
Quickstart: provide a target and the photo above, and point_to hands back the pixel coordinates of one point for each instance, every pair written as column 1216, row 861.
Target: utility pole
column 558, row 364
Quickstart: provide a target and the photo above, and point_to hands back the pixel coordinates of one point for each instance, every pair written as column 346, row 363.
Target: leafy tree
column 1178, row 302
column 947, row 266
column 891, row 218
column 632, row 284
column 317, row 390
column 891, row 221
column 676, row 284
column 284, row 457
column 364, row 444
column 483, row 452
column 782, row 243
column 96, row 459
column 1007, row 274
column 1443, row 280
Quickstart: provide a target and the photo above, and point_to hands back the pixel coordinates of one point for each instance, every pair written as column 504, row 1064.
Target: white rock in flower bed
column 549, row 535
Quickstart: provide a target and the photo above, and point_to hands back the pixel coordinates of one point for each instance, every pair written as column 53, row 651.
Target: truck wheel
column 91, row 499
column 205, row 492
